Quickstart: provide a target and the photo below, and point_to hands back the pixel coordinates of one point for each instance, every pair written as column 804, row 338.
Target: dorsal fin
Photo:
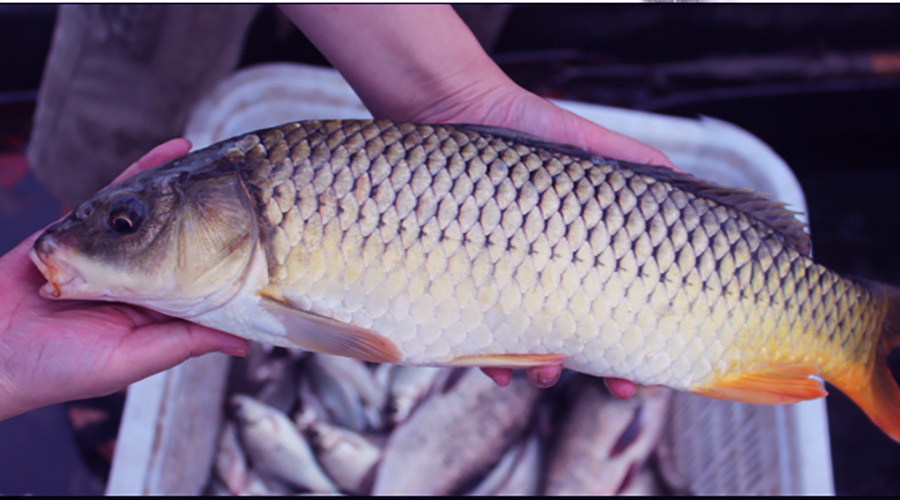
column 759, row 207
column 772, row 214
column 530, row 140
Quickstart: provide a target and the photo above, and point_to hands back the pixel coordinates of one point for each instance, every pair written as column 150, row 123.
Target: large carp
column 477, row 246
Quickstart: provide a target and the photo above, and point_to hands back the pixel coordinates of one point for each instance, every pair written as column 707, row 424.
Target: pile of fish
column 298, row 422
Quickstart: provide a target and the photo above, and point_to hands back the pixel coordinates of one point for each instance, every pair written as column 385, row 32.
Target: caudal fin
column 876, row 391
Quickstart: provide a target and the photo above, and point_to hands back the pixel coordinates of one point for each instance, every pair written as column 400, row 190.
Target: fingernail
column 240, row 350
column 546, row 378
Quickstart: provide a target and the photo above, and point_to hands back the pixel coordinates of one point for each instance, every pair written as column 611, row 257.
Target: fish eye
column 125, row 215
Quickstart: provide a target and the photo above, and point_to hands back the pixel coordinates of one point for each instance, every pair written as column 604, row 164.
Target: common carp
column 467, row 245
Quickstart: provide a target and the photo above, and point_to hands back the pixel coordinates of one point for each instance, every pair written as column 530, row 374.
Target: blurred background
column 820, row 84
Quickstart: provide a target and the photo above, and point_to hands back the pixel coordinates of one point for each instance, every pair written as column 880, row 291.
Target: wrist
column 400, row 59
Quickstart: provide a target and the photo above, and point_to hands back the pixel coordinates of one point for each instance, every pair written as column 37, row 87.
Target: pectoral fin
column 509, row 360
column 775, row 385
column 317, row 333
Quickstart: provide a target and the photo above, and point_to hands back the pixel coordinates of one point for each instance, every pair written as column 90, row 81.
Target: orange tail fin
column 877, row 392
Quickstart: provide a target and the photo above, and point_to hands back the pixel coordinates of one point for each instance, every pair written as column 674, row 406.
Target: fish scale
column 506, row 219
column 467, row 245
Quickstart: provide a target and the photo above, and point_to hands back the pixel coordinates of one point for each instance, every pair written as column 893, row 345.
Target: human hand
column 53, row 351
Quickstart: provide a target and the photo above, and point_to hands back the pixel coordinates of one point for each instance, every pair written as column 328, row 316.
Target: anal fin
column 780, row 384
column 313, row 332
column 508, row 360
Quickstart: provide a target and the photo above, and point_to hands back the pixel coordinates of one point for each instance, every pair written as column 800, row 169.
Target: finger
column 620, row 388
column 605, row 142
column 565, row 127
column 544, row 376
column 621, row 147
column 500, row 376
column 166, row 151
column 153, row 348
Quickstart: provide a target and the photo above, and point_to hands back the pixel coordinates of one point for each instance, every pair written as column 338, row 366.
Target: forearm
column 399, row 58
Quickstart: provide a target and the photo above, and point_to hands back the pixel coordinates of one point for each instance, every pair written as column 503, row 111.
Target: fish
column 518, row 473
column 263, row 486
column 276, row 448
column 357, row 379
column 643, row 484
column 338, row 393
column 408, row 386
column 459, row 431
column 467, row 245
column 230, row 463
column 526, row 475
column 604, row 441
column 349, row 458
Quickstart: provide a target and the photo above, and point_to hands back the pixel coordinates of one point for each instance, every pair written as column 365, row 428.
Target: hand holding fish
column 448, row 78
column 58, row 351
column 54, row 351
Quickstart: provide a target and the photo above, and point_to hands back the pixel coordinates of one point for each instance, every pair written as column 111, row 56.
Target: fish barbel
column 467, row 245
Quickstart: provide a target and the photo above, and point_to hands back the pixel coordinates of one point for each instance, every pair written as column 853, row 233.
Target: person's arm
column 421, row 63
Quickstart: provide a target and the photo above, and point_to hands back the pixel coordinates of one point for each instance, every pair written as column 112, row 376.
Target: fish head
column 175, row 239
column 251, row 412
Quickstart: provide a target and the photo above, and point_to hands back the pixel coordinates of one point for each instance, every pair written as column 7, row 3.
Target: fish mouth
column 46, row 257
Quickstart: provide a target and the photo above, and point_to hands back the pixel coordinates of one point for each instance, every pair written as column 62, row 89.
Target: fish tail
column 873, row 387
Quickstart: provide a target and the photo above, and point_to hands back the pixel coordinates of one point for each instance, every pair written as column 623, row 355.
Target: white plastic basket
column 167, row 438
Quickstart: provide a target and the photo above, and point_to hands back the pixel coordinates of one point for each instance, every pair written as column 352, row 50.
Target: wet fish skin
column 358, row 378
column 346, row 456
column 475, row 246
column 604, row 441
column 526, row 474
column 517, row 474
column 643, row 484
column 499, row 473
column 477, row 421
column 338, row 395
column 257, row 485
column 230, row 463
column 407, row 388
column 276, row 448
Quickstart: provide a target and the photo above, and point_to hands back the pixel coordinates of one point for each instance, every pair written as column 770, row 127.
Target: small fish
column 464, row 245
column 276, row 448
column 311, row 408
column 338, row 394
column 525, row 478
column 359, row 379
column 217, row 488
column 262, row 365
column 455, row 434
column 499, row 473
column 518, row 473
column 604, row 440
column 346, row 456
column 263, row 486
column 643, row 484
column 230, row 463
column 408, row 387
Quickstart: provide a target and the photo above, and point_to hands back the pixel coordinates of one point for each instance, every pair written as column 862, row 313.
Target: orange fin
column 775, row 385
column 508, row 360
column 317, row 333
column 873, row 386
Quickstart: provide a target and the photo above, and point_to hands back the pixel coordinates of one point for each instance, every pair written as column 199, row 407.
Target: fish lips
column 63, row 280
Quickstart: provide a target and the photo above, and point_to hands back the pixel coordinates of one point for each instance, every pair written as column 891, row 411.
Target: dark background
column 799, row 77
